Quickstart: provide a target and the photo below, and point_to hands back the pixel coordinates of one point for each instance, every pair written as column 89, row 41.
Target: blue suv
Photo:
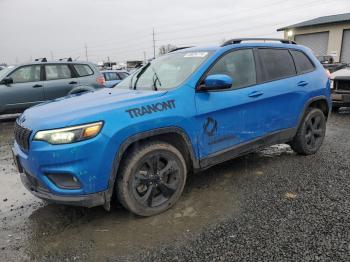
column 183, row 112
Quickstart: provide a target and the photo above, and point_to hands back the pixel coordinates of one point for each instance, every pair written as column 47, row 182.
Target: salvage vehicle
column 328, row 63
column 340, row 86
column 26, row 85
column 114, row 77
column 182, row 112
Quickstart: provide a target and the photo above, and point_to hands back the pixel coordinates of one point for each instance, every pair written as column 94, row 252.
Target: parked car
column 114, row 77
column 184, row 111
column 29, row 84
column 340, row 87
column 329, row 64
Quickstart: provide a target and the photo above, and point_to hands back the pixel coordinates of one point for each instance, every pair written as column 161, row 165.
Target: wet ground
column 271, row 205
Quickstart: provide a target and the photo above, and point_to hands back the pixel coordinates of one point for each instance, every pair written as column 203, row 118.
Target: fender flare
column 307, row 105
column 140, row 136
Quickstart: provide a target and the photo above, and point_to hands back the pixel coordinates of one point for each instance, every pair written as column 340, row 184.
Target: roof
column 331, row 19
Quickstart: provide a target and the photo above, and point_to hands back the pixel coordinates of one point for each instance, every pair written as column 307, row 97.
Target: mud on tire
column 311, row 132
column 151, row 178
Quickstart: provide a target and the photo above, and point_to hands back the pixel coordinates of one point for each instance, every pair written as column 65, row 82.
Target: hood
column 341, row 73
column 92, row 104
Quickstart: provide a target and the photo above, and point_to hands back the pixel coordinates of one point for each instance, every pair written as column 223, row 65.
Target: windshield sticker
column 196, row 54
column 150, row 109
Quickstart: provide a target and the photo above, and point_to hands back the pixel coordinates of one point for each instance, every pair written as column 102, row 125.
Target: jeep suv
column 182, row 112
column 30, row 84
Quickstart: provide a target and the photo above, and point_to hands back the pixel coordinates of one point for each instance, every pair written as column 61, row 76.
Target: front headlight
column 69, row 134
column 331, row 84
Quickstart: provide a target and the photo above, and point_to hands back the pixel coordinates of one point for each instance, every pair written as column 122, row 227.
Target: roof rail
column 41, row 59
column 239, row 40
column 69, row 59
column 179, row 48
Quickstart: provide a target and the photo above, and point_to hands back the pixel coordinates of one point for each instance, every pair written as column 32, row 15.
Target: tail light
column 100, row 80
column 328, row 73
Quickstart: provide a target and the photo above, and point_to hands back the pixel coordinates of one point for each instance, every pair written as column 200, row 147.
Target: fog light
column 64, row 181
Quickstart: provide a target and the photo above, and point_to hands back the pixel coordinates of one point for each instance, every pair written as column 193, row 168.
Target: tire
column 311, row 132
column 144, row 191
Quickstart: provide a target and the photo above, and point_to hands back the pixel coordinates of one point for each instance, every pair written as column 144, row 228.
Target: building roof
column 320, row 21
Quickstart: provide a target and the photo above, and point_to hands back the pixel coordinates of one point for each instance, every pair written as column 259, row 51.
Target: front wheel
column 311, row 132
column 151, row 179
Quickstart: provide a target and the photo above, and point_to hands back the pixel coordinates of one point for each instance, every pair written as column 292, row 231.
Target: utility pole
column 144, row 57
column 154, row 45
column 51, row 53
column 86, row 53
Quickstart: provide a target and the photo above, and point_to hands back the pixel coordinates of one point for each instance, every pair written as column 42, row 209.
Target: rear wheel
column 311, row 132
column 151, row 178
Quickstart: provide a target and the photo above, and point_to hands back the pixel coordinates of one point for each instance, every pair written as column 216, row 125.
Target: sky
column 122, row 30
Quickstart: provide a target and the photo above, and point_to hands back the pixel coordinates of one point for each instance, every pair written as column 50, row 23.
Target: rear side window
column 26, row 74
column 302, row 62
column 110, row 76
column 83, row 70
column 276, row 64
column 54, row 72
column 239, row 65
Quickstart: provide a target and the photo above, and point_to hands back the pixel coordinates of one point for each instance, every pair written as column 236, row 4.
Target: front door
column 26, row 90
column 229, row 117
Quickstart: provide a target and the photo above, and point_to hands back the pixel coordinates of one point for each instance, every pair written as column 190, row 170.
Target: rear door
column 60, row 80
column 283, row 89
column 26, row 90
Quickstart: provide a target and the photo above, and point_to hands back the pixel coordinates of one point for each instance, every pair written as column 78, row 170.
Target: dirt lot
column 271, row 205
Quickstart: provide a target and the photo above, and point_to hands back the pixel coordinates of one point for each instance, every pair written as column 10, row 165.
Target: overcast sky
column 122, row 29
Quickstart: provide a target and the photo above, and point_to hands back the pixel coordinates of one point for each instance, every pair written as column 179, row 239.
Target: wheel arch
column 173, row 135
column 319, row 102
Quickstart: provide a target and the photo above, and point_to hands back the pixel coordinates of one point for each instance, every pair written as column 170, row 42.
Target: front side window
column 302, row 62
column 276, row 64
column 239, row 65
column 26, row 74
column 83, row 70
column 54, row 72
column 165, row 72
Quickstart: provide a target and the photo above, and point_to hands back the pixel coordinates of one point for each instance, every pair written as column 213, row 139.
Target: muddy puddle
column 31, row 229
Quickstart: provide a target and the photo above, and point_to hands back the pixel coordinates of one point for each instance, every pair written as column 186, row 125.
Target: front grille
column 22, row 136
column 343, row 85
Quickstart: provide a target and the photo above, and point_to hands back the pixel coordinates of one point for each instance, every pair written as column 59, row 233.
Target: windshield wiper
column 155, row 79
column 143, row 69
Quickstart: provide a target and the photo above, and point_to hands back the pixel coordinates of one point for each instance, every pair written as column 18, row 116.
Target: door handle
column 37, row 85
column 256, row 93
column 73, row 83
column 303, row 83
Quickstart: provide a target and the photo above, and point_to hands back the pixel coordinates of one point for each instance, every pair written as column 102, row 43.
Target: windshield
column 165, row 72
column 4, row 72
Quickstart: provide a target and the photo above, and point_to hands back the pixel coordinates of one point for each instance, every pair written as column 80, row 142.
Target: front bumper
column 340, row 99
column 88, row 162
column 40, row 191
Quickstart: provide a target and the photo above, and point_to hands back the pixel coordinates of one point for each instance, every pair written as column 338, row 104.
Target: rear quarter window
column 276, row 64
column 83, row 70
column 302, row 62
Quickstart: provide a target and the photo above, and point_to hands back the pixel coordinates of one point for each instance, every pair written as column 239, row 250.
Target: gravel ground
column 297, row 209
column 268, row 206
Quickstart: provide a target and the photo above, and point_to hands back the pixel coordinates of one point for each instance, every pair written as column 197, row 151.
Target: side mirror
column 216, row 82
column 6, row 81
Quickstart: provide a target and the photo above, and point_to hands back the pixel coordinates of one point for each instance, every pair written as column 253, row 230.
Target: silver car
column 29, row 84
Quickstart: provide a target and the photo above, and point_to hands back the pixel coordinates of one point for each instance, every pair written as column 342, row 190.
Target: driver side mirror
column 216, row 82
column 6, row 81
